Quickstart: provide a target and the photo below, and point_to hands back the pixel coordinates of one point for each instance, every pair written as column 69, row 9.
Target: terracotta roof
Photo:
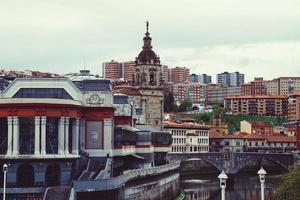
column 281, row 138
column 257, row 97
column 254, row 137
column 180, row 124
column 219, row 135
column 129, row 90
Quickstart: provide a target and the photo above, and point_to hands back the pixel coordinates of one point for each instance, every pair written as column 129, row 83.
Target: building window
column 226, row 143
column 26, row 137
column 3, row 135
column 53, row 93
column 52, row 135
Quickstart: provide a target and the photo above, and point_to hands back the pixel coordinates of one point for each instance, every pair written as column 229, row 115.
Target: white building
column 188, row 137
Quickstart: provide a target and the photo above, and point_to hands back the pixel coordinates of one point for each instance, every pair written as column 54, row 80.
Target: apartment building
column 257, row 105
column 294, row 107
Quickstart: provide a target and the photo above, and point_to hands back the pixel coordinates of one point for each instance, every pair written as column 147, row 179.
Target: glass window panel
column 52, row 135
column 3, row 135
column 26, row 135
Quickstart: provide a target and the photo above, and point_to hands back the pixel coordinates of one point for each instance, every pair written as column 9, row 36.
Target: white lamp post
column 5, row 166
column 223, row 178
column 262, row 173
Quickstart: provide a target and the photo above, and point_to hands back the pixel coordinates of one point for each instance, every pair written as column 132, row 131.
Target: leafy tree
column 169, row 104
column 289, row 187
column 185, row 105
column 203, row 117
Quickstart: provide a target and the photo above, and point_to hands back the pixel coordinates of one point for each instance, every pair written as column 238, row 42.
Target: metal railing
column 117, row 182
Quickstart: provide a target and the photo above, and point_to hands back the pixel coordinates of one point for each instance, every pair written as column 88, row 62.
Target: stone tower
column 147, row 78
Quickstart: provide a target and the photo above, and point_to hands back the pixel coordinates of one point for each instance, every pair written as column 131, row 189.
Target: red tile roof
column 129, row 90
column 257, row 97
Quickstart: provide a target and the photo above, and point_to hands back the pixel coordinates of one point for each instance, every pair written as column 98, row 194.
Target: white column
column 9, row 136
column 43, row 134
column 108, row 133
column 61, row 135
column 15, row 151
column 67, row 122
column 75, row 137
column 37, row 120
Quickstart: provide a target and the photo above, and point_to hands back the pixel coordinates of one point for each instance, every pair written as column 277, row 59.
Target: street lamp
column 222, row 178
column 5, row 166
column 262, row 173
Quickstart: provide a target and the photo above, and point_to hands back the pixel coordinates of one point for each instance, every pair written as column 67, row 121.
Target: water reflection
column 240, row 187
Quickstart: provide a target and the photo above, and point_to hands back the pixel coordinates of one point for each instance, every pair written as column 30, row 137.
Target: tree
column 289, row 187
column 185, row 105
column 169, row 104
column 203, row 117
column 218, row 112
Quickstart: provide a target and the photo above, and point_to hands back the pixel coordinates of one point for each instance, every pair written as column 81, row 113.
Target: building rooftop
column 257, row 97
column 126, row 89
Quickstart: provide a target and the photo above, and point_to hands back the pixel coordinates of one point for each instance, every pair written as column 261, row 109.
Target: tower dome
column 147, row 55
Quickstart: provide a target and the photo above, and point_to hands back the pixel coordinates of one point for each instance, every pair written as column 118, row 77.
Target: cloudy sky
column 255, row 37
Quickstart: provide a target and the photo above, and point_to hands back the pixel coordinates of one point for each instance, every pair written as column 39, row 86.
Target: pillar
column 61, row 134
column 75, row 138
column 37, row 121
column 15, row 150
column 67, row 122
column 39, row 174
column 108, row 133
column 43, row 134
column 9, row 136
column 82, row 134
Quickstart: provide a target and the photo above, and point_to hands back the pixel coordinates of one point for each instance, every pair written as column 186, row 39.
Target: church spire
column 147, row 39
column 147, row 26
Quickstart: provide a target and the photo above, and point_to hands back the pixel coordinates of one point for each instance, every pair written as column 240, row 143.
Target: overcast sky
column 255, row 37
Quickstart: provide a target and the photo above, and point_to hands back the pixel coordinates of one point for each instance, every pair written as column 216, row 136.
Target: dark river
column 244, row 186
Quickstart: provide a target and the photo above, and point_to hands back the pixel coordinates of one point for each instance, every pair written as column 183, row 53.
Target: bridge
column 232, row 162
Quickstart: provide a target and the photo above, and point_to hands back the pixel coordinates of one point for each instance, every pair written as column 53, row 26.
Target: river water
column 244, row 186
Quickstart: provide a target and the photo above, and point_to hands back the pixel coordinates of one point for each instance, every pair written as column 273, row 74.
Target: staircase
column 57, row 193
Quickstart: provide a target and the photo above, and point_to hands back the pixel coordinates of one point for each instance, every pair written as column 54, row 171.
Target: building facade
column 180, row 74
column 294, row 107
column 187, row 137
column 257, row 105
column 234, row 79
column 204, row 78
column 112, row 70
column 283, row 86
column 195, row 92
column 217, row 93
column 256, row 87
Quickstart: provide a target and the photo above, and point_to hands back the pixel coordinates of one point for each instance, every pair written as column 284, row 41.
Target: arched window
column 52, row 175
column 25, row 176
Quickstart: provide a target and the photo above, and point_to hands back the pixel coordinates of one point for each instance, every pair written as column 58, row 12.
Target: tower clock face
column 94, row 98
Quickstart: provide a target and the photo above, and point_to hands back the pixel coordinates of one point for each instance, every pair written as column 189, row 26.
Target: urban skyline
column 80, row 35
